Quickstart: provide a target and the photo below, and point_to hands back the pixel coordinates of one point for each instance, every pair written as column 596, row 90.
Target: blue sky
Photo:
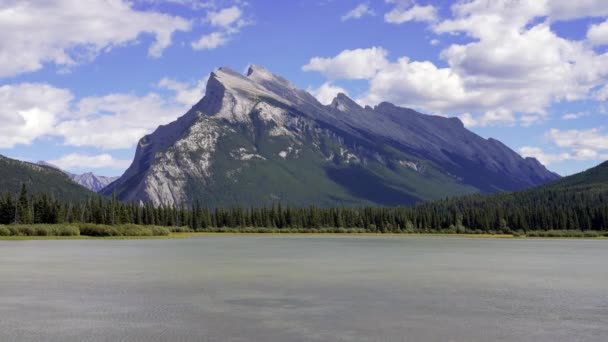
column 532, row 74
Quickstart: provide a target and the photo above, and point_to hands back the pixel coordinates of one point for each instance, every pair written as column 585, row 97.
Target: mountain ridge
column 39, row 179
column 89, row 180
column 248, row 129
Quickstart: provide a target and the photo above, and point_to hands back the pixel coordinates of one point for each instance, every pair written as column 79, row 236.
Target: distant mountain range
column 39, row 179
column 257, row 140
column 89, row 180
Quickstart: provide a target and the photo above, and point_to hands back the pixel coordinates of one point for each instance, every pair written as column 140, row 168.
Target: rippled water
column 297, row 288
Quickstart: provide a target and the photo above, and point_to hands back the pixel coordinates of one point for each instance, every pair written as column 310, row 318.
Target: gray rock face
column 92, row 181
column 89, row 180
column 257, row 139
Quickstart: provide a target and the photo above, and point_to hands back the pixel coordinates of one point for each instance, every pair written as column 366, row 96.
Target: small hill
column 577, row 202
column 595, row 179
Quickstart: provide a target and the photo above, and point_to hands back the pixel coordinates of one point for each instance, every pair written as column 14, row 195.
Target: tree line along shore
column 548, row 213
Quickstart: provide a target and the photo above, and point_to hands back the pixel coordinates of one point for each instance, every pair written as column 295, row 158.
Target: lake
column 304, row 288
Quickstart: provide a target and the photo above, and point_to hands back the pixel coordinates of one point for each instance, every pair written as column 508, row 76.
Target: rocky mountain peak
column 89, row 180
column 256, row 139
column 344, row 103
column 264, row 77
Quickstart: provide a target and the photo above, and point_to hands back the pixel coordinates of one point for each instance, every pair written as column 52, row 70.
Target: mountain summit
column 258, row 140
column 89, row 180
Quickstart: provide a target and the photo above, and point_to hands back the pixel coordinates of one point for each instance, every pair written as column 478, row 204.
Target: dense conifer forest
column 569, row 204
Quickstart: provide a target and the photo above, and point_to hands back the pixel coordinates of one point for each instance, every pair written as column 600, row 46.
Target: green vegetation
column 91, row 230
column 40, row 179
column 572, row 207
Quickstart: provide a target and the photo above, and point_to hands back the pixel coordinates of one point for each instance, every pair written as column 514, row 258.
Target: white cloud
column 225, row 18
column 400, row 14
column 434, row 42
column 327, row 92
column 358, row 12
column 77, row 161
column 580, row 140
column 590, row 144
column 211, row 41
column 598, row 34
column 574, row 116
column 66, row 32
column 544, row 157
column 192, row 4
column 229, row 21
column 185, row 93
column 602, row 93
column 563, row 10
column 116, row 121
column 500, row 116
column 350, row 64
column 28, row 111
column 509, row 62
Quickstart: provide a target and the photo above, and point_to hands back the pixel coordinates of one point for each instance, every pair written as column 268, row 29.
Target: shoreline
column 187, row 235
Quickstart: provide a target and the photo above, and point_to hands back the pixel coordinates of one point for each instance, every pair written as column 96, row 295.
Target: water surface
column 304, row 288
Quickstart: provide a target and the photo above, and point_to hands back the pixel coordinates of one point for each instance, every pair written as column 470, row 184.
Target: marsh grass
column 75, row 230
column 85, row 231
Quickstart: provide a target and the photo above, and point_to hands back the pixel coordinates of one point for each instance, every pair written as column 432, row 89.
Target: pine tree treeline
column 508, row 212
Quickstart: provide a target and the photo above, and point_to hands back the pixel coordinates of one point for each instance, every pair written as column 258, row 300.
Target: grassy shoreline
column 128, row 232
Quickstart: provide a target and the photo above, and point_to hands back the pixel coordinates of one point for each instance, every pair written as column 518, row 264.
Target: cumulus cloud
column 30, row 110
column 358, row 12
column 598, row 34
column 508, row 69
column 590, row 139
column 116, row 121
column 186, row 94
column 228, row 22
column 211, row 41
column 65, row 32
column 573, row 116
column 602, row 93
column 350, row 64
column 401, row 14
column 77, row 161
column 544, row 157
column 500, row 116
column 226, row 17
column 589, row 144
column 565, row 10
column 327, row 92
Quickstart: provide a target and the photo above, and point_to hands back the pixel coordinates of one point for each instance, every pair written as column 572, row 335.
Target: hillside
column 575, row 202
column 258, row 140
column 89, row 180
column 594, row 179
column 39, row 179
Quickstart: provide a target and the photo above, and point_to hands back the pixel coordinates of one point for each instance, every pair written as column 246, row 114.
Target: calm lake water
column 304, row 288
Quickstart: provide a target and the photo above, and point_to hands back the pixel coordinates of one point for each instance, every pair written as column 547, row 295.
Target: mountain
column 92, row 181
column 577, row 202
column 89, row 180
column 594, row 179
column 258, row 140
column 39, row 179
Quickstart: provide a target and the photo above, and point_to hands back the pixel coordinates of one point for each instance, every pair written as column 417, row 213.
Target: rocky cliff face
column 92, row 181
column 258, row 140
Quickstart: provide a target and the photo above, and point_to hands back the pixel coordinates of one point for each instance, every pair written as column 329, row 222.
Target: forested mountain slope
column 39, row 179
